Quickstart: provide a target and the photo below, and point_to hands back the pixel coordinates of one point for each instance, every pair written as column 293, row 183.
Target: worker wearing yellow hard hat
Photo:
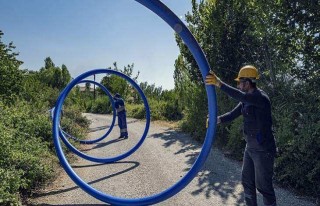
column 248, row 71
column 255, row 107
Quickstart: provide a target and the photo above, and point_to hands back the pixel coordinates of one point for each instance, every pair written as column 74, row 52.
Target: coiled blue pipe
column 64, row 134
column 168, row 16
column 64, row 94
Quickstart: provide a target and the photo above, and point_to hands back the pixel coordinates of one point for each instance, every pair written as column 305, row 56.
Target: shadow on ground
column 68, row 204
column 55, row 192
column 95, row 129
column 211, row 181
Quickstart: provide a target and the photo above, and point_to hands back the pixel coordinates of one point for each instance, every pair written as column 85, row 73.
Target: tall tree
column 66, row 77
column 48, row 63
column 116, row 84
column 53, row 76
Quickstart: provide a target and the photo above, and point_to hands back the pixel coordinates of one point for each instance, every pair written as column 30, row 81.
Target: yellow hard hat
column 247, row 71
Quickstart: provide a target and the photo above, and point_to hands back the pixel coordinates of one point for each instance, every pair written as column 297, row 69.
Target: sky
column 90, row 34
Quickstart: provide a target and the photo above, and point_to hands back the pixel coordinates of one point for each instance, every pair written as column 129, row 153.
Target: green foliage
column 24, row 156
column 74, row 123
column 151, row 91
column 280, row 38
column 31, row 84
column 136, row 111
column 101, row 105
column 159, row 110
column 172, row 110
column 156, row 109
column 27, row 157
column 10, row 183
column 298, row 32
column 10, row 75
column 235, row 143
column 164, row 110
column 298, row 163
column 116, row 84
column 26, row 146
column 298, row 129
column 195, row 111
column 81, row 100
column 53, row 76
column 164, row 104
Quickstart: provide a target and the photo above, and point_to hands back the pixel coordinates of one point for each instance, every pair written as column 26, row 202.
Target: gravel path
column 165, row 156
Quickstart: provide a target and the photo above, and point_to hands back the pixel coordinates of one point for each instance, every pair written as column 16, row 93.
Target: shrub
column 101, row 105
column 157, row 109
column 165, row 110
column 26, row 159
column 136, row 111
column 236, row 143
column 10, row 183
column 74, row 123
column 195, row 112
column 25, row 141
column 298, row 163
column 172, row 111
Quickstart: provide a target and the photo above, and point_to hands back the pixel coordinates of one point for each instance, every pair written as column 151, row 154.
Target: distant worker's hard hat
column 117, row 95
column 249, row 72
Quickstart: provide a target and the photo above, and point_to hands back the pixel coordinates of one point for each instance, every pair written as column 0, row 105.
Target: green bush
column 101, row 105
column 136, row 111
column 27, row 160
column 165, row 110
column 27, row 157
column 236, row 143
column 74, row 123
column 10, row 183
column 157, row 109
column 195, row 112
column 28, row 120
column 172, row 111
column 298, row 163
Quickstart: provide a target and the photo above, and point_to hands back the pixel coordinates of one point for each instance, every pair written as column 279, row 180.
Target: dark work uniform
column 122, row 118
column 258, row 160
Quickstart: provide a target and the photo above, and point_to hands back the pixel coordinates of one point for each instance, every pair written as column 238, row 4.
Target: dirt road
column 165, row 156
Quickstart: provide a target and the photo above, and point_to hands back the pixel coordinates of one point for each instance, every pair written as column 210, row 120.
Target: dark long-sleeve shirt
column 257, row 122
column 119, row 105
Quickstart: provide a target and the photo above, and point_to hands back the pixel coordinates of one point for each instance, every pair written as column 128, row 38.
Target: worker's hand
column 212, row 79
column 207, row 122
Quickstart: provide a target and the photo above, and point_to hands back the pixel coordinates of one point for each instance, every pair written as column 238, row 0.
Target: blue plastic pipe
column 174, row 22
column 64, row 94
column 64, row 134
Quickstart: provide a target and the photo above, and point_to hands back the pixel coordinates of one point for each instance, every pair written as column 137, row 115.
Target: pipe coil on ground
column 168, row 16
column 63, row 96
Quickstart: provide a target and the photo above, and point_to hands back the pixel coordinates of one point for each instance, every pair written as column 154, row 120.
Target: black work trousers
column 257, row 173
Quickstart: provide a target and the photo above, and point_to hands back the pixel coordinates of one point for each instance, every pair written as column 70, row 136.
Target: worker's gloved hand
column 207, row 122
column 212, row 79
